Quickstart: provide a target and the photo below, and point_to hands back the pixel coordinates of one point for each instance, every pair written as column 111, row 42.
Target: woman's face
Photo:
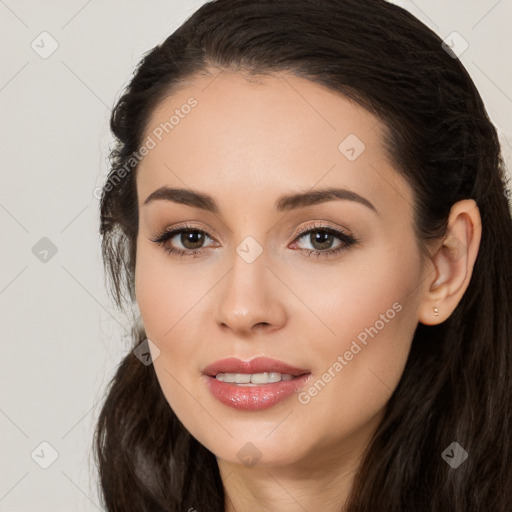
column 250, row 285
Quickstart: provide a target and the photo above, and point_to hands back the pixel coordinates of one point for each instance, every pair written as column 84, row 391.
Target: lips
column 253, row 396
column 256, row 365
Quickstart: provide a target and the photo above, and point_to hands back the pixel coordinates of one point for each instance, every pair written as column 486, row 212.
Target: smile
column 250, row 379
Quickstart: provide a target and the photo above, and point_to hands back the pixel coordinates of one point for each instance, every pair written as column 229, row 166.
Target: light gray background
column 61, row 336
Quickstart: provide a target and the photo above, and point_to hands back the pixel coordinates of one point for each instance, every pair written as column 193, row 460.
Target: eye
column 322, row 238
column 191, row 239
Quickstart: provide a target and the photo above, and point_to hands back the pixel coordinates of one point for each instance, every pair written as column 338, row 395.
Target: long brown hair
column 456, row 386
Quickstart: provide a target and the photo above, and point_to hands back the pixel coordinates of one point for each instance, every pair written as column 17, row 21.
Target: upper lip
column 256, row 365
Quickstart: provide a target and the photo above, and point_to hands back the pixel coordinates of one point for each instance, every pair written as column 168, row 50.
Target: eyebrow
column 286, row 202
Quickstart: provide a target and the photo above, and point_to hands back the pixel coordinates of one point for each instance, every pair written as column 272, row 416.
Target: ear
column 453, row 263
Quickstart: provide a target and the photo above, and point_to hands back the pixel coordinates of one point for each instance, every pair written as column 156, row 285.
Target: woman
column 374, row 376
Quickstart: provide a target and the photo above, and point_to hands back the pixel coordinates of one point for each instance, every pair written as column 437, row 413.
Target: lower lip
column 254, row 398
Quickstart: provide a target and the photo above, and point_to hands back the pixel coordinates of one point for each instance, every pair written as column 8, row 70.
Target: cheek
column 150, row 296
column 371, row 294
column 163, row 309
column 361, row 369
column 164, row 292
column 169, row 300
column 372, row 317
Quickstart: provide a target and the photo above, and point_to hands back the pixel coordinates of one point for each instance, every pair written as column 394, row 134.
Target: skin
column 246, row 143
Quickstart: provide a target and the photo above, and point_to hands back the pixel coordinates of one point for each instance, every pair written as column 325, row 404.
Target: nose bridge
column 250, row 294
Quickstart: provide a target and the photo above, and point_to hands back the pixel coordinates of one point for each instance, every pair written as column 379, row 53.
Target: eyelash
column 347, row 240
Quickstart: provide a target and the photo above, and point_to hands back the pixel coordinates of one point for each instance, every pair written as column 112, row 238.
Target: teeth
column 253, row 378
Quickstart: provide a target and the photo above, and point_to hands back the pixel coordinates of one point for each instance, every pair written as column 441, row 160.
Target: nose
column 251, row 299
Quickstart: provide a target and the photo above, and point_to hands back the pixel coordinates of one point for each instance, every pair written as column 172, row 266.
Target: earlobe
column 452, row 264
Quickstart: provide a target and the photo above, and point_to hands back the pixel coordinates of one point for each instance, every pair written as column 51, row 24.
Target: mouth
column 253, row 385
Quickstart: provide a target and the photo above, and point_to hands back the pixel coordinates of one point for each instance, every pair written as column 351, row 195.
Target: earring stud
column 436, row 311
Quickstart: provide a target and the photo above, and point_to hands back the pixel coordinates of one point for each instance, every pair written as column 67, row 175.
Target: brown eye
column 191, row 240
column 322, row 238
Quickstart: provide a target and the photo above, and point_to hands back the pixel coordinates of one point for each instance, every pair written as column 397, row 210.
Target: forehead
column 227, row 132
